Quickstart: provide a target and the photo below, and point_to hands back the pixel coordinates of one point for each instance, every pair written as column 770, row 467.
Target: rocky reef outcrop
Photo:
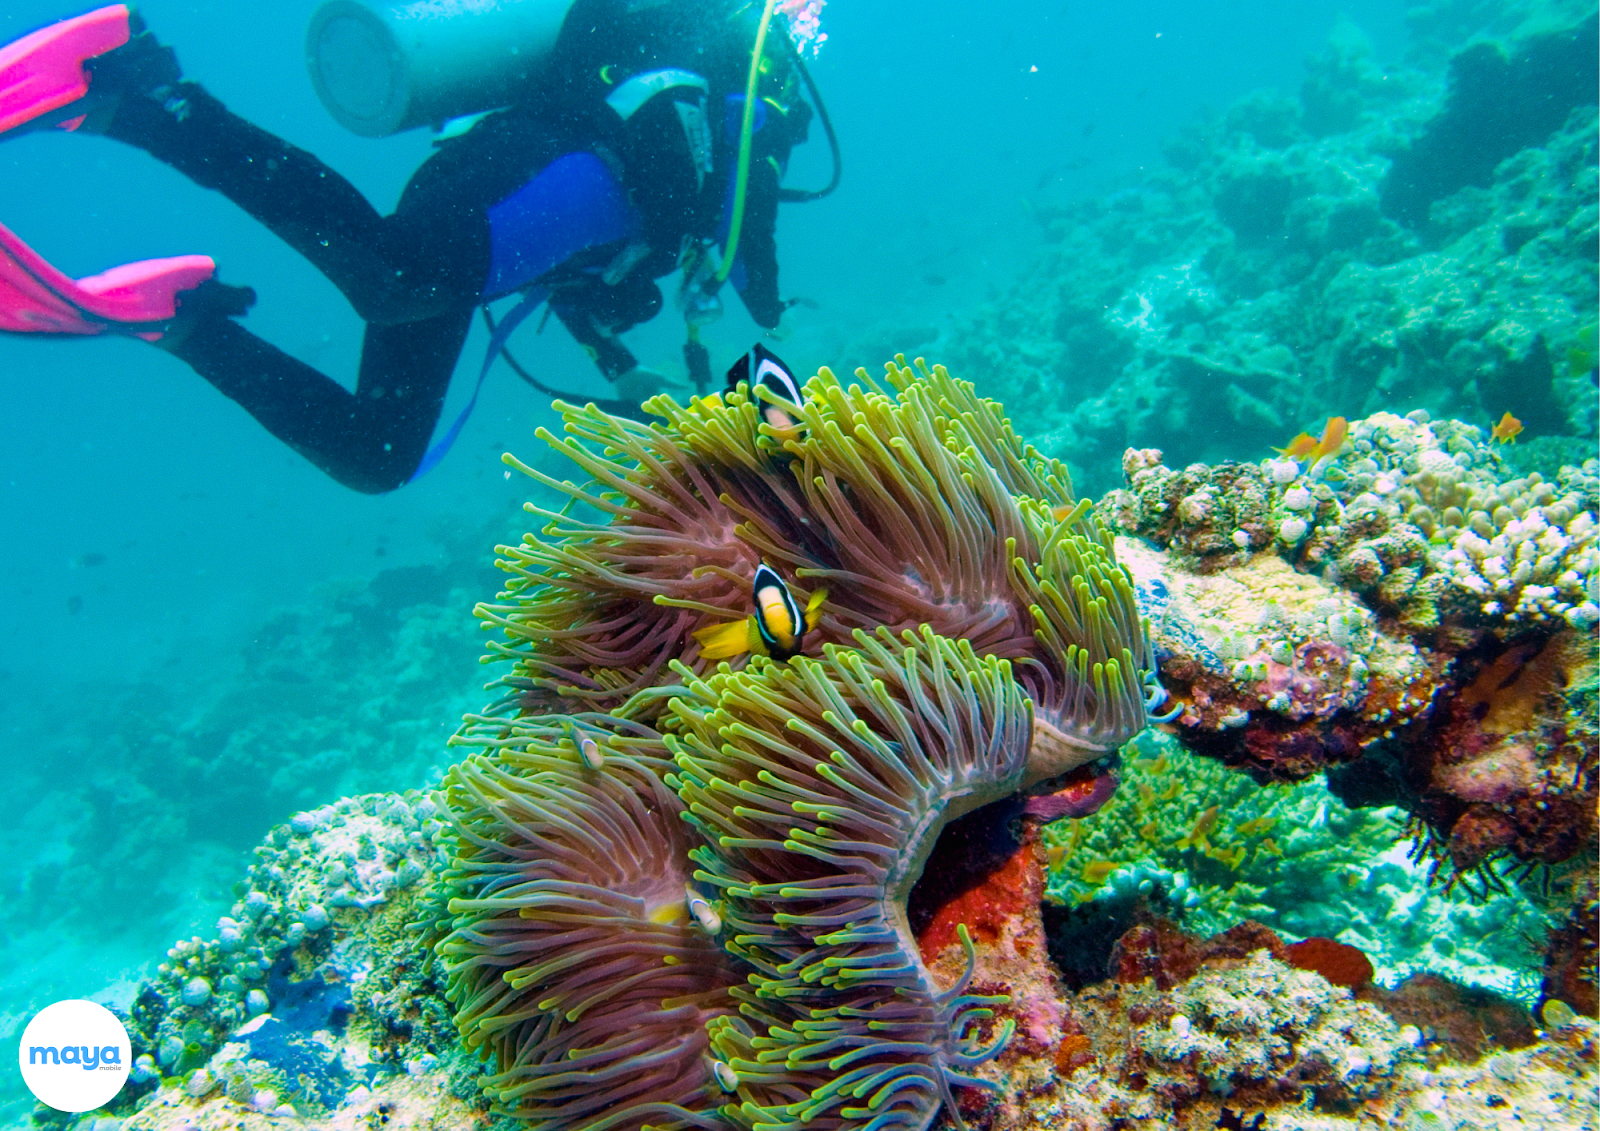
column 1396, row 237
column 1406, row 612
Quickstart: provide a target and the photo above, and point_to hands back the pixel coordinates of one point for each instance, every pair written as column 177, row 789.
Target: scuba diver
column 630, row 152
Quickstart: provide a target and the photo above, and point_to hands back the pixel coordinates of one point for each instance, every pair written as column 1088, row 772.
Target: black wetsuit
column 417, row 276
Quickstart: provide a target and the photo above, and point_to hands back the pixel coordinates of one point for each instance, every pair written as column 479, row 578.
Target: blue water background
column 151, row 527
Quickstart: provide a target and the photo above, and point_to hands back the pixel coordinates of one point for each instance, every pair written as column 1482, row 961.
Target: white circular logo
column 74, row 1055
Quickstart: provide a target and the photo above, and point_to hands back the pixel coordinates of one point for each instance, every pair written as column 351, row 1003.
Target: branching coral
column 1221, row 850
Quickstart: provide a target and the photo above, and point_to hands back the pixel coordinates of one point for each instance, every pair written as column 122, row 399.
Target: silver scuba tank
column 381, row 68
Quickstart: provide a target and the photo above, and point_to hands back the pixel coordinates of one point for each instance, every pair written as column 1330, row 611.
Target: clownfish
column 1507, row 431
column 589, row 751
column 761, row 367
column 775, row 629
column 703, row 913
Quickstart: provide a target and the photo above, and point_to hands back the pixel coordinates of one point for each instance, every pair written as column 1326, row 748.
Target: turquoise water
column 204, row 635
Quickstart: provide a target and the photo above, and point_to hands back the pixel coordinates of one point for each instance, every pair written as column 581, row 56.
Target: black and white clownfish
column 775, row 629
column 763, row 367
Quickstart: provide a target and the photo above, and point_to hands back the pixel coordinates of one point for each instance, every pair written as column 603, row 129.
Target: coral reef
column 1186, row 837
column 1421, row 518
column 1223, row 1031
column 359, row 1032
column 789, row 893
column 1259, row 1024
column 1571, row 970
column 313, row 999
column 1352, row 250
column 1404, row 611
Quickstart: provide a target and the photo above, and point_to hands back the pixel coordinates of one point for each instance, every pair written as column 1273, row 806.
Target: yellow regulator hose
column 741, row 180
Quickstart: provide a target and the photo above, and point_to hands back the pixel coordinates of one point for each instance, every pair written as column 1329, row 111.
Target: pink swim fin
column 136, row 298
column 44, row 71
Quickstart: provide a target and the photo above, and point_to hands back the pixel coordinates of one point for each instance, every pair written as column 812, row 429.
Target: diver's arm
column 599, row 341
column 755, row 275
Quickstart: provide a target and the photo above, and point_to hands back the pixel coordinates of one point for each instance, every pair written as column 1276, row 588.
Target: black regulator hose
column 799, row 196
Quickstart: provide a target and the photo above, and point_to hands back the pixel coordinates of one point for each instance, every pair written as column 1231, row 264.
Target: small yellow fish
column 1305, row 447
column 1507, row 431
column 1096, row 871
column 1203, row 824
column 1333, row 434
column 1299, row 447
column 1232, row 857
column 776, row 628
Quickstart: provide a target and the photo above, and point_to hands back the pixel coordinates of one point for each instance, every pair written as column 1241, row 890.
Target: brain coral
column 680, row 885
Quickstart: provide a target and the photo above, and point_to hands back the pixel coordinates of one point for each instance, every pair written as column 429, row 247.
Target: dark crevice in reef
column 1376, row 779
column 968, row 851
column 1080, row 939
column 1528, row 383
column 1496, row 107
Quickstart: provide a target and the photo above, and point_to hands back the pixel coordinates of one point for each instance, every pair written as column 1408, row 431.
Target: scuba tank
column 380, row 68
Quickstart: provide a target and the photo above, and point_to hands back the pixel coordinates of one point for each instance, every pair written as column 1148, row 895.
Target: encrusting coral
column 976, row 638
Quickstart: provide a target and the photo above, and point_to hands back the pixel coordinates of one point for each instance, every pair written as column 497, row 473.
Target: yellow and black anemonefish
column 775, row 629
column 763, row 368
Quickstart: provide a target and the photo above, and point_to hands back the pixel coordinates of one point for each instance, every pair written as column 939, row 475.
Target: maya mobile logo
column 74, row 1055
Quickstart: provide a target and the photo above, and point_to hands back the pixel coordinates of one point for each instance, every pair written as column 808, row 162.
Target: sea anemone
column 912, row 505
column 977, row 638
column 819, row 788
column 573, row 959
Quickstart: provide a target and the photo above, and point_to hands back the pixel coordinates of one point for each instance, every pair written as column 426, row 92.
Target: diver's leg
column 430, row 257
column 371, row 440
column 388, row 274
